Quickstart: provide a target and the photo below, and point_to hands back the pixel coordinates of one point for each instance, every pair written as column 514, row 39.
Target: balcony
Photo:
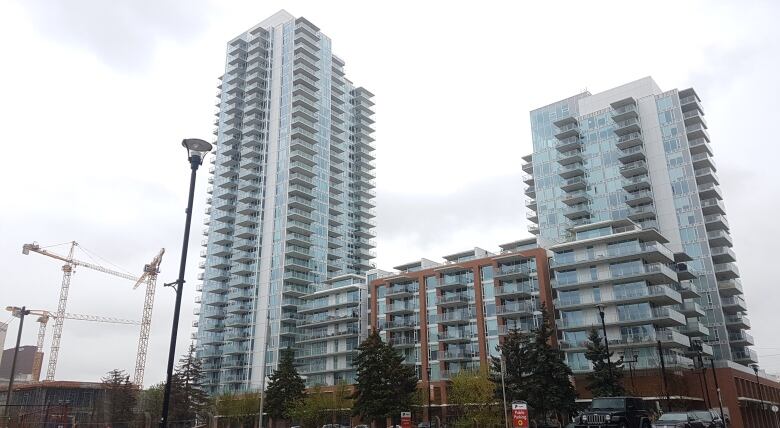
column 653, row 273
column 733, row 304
column 451, row 282
column 741, row 338
column 567, row 127
column 710, row 191
column 402, row 325
column 402, row 307
column 700, row 146
column 458, row 355
column 570, row 157
column 622, row 113
column 688, row 290
column 642, row 197
column 516, row 309
column 403, row 341
column 573, row 184
column 731, row 287
column 691, row 310
column 737, row 322
column 723, row 255
column 456, row 336
column 530, row 191
column 568, row 144
column 532, row 216
column 715, row 223
column 713, row 206
column 634, row 168
column 690, row 102
column 401, row 290
column 641, row 212
column 322, row 319
column 632, row 154
column 574, row 198
column 695, row 328
column 510, row 272
column 638, row 182
column 745, row 356
column 461, row 316
column 706, row 175
column 451, row 300
column 656, row 294
column 571, row 170
column 516, row 289
column 697, row 130
column 628, row 126
column 660, row 317
column 726, row 271
column 629, row 140
column 577, row 211
column 533, row 229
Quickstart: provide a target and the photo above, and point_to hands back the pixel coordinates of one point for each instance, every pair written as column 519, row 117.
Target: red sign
column 406, row 420
column 520, row 415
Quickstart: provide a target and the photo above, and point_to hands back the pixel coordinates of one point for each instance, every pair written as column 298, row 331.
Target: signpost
column 406, row 419
column 519, row 414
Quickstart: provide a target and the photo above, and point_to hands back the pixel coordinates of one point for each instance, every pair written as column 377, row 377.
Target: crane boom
column 149, row 277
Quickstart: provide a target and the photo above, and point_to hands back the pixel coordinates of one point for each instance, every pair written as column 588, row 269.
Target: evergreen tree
column 385, row 386
column 551, row 392
column 535, row 372
column 188, row 400
column 603, row 381
column 285, row 386
column 122, row 397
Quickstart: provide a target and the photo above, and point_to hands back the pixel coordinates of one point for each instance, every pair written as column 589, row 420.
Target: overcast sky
column 96, row 96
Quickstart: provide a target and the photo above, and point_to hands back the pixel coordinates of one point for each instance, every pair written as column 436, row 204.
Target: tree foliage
column 188, row 400
column 241, row 409
column 535, row 372
column 385, row 386
column 121, row 396
column 285, row 386
column 312, row 411
column 603, row 381
column 151, row 401
column 474, row 394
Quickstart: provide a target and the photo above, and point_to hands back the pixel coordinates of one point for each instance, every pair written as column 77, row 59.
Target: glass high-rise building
column 639, row 153
column 290, row 205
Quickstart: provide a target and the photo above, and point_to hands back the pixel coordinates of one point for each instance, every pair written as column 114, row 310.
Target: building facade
column 640, row 153
column 447, row 317
column 290, row 203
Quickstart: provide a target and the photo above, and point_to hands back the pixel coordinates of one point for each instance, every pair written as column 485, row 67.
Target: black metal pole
column 195, row 161
column 663, row 374
column 606, row 345
column 760, row 392
column 717, row 389
column 22, row 313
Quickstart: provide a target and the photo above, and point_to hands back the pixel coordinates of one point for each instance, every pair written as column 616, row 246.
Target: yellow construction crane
column 43, row 320
column 149, row 277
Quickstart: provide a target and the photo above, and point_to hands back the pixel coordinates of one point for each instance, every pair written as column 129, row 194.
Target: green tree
column 385, row 386
column 188, row 400
column 474, row 394
column 241, row 409
column 535, row 372
column 603, row 381
column 312, row 411
column 151, row 401
column 285, row 386
column 122, row 397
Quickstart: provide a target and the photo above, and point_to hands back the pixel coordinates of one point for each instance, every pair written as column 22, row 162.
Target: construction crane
column 43, row 320
column 149, row 277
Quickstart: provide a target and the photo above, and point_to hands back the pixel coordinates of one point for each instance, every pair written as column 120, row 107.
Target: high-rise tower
column 290, row 203
column 637, row 152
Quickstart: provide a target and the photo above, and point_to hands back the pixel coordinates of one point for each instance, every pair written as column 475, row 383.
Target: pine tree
column 603, row 381
column 385, row 386
column 122, row 397
column 550, row 389
column 285, row 386
column 515, row 352
column 188, row 400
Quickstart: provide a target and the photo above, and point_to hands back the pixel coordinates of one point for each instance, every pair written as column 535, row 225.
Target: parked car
column 615, row 412
column 678, row 420
column 710, row 419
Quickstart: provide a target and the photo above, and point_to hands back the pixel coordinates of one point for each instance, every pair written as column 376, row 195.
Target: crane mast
column 149, row 278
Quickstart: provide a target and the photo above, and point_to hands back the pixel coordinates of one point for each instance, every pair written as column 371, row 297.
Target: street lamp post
column 760, row 392
column 17, row 312
column 196, row 151
column 503, row 390
column 606, row 344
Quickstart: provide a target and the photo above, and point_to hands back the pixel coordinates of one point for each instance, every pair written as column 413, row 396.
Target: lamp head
column 196, row 148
